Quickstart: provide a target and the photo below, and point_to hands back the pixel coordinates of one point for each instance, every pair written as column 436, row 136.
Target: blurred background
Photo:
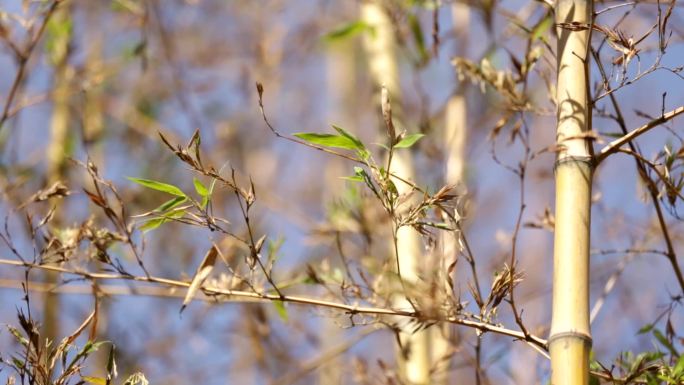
column 115, row 73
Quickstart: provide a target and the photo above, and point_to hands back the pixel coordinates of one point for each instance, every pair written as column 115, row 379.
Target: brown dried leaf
column 201, row 275
column 57, row 190
column 387, row 114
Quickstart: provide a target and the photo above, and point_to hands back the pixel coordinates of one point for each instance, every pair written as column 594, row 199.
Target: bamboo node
column 589, row 160
column 571, row 334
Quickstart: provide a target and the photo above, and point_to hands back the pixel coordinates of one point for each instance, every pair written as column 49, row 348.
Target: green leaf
column 159, row 186
column 206, row 198
column 645, row 329
column 350, row 136
column 175, row 214
column 664, row 341
column 409, row 140
column 171, row 203
column 17, row 334
column 348, row 30
column 593, row 380
column 152, row 224
column 354, row 178
column 199, row 187
column 541, row 27
column 418, row 37
column 327, row 140
column 679, row 367
column 280, row 308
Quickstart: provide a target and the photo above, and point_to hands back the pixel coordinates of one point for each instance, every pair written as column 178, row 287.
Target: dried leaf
column 387, row 113
column 202, row 273
column 58, row 189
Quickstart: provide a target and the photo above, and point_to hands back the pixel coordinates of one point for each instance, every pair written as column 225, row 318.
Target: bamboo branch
column 349, row 309
column 613, row 146
column 23, row 58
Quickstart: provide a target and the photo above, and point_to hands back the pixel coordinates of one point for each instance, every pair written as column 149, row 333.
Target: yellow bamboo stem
column 56, row 150
column 381, row 47
column 570, row 337
column 455, row 141
column 341, row 77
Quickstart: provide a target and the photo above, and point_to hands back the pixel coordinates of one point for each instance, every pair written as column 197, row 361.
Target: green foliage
column 654, row 367
column 280, row 309
column 409, row 140
column 40, row 361
column 159, row 186
column 418, row 39
column 57, row 35
column 541, row 28
column 345, row 140
column 177, row 207
column 327, row 140
column 349, row 30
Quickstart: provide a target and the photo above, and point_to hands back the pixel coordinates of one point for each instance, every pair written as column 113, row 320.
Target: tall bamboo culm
column 341, row 81
column 381, row 47
column 455, row 137
column 570, row 337
column 57, row 147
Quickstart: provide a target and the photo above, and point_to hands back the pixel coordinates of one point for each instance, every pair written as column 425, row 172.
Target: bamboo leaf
column 152, row 224
column 327, row 140
column 350, row 136
column 202, row 273
column 409, row 141
column 159, row 186
column 541, row 27
column 645, row 329
column 679, row 367
column 199, row 187
column 348, row 30
column 280, row 308
column 354, row 178
column 170, row 204
column 665, row 342
column 206, row 198
column 418, row 37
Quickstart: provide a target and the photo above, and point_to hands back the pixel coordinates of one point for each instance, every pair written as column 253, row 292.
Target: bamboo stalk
column 57, row 148
column 570, row 337
column 455, row 141
column 381, row 47
column 341, row 82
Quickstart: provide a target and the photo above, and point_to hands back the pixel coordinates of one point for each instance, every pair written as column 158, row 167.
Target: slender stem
column 613, row 146
column 23, row 62
column 350, row 309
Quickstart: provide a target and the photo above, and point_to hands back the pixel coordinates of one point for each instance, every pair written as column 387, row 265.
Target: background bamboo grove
column 341, row 192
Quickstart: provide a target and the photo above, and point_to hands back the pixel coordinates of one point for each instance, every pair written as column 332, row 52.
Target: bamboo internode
column 570, row 339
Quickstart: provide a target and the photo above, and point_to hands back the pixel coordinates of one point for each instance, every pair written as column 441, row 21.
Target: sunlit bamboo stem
column 381, row 47
column 570, row 338
column 341, row 82
column 60, row 35
column 455, row 141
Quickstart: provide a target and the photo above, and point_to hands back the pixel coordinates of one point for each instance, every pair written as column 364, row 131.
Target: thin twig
column 23, row 58
column 350, row 309
column 613, row 146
